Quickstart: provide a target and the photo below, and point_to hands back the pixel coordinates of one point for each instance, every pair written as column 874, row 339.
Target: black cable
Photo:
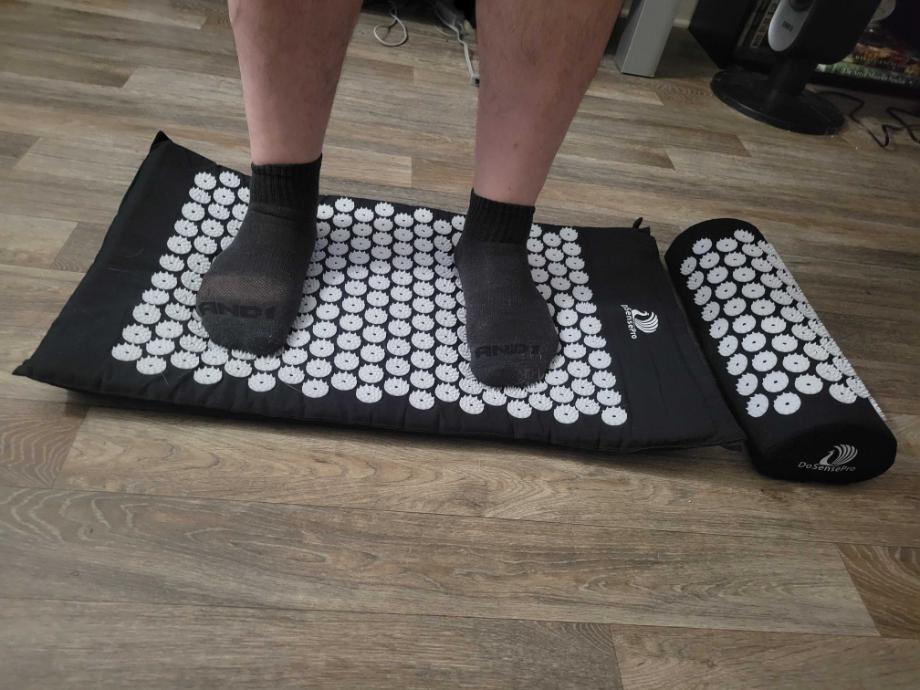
column 887, row 128
column 910, row 129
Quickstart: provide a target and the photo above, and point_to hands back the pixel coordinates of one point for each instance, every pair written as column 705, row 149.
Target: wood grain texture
column 654, row 658
column 716, row 493
column 34, row 440
column 33, row 297
column 888, row 578
column 16, row 345
column 30, row 241
column 52, row 158
column 80, row 249
column 20, row 57
column 117, row 547
column 157, row 12
column 99, row 646
column 13, row 146
column 192, row 551
column 907, row 429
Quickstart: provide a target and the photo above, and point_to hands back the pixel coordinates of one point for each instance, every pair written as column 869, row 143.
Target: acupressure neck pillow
column 805, row 410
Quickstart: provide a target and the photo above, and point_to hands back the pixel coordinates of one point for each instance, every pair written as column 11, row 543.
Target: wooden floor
column 148, row 549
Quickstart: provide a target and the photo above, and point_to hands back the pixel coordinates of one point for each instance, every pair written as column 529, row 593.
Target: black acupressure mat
column 379, row 340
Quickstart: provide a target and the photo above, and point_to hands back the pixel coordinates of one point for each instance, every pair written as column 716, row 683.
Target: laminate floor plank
column 91, row 546
column 34, row 440
column 653, row 658
column 31, row 241
column 710, row 491
column 117, row 645
column 888, row 578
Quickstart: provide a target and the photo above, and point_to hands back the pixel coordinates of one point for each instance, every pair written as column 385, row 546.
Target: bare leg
column 290, row 54
column 536, row 60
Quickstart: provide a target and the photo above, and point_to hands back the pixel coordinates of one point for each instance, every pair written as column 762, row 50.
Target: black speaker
column 802, row 33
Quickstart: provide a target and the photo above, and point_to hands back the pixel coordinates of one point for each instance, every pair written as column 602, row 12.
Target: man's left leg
column 537, row 60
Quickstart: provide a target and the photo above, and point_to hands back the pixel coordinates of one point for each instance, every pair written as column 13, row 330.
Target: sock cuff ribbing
column 497, row 221
column 292, row 186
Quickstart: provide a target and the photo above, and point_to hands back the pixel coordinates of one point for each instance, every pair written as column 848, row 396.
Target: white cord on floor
column 456, row 25
column 394, row 14
column 474, row 75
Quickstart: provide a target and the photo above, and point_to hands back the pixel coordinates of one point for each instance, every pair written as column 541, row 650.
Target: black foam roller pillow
column 807, row 414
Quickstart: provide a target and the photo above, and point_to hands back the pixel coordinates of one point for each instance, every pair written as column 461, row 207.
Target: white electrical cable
column 474, row 75
column 456, row 25
column 394, row 14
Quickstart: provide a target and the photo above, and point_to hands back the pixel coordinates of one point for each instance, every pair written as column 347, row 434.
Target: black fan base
column 751, row 94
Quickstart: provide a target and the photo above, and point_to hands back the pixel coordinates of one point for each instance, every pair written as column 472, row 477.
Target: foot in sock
column 250, row 296
column 509, row 329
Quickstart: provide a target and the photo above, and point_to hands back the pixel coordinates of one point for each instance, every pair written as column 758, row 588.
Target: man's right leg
column 290, row 54
column 536, row 59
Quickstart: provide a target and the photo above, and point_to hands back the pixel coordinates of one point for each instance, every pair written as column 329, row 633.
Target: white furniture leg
column 647, row 29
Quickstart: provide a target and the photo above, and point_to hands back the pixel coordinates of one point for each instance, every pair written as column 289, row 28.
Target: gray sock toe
column 251, row 293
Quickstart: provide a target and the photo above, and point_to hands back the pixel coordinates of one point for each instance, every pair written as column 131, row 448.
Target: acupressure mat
column 379, row 340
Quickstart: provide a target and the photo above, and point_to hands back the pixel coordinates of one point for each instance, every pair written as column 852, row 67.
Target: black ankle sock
column 251, row 293
column 509, row 329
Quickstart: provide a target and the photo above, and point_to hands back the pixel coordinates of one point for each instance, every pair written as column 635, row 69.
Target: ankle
column 496, row 221
column 293, row 187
